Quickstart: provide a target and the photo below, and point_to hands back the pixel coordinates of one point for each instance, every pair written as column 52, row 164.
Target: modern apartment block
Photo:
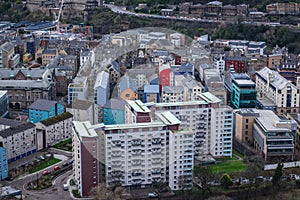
column 279, row 90
column 274, row 137
column 86, row 157
column 205, row 117
column 54, row 130
column 221, row 131
column 134, row 155
column 19, row 138
column 243, row 92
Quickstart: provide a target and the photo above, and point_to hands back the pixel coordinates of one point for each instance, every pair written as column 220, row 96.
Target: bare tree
column 101, row 192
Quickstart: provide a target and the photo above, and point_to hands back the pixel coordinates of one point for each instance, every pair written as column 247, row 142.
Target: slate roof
column 7, row 47
column 9, row 122
column 278, row 82
column 33, row 73
column 151, row 89
column 115, row 104
column 80, row 104
column 16, row 129
column 42, row 104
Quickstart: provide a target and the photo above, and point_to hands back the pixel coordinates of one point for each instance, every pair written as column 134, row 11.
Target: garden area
column 65, row 145
column 230, row 166
column 44, row 165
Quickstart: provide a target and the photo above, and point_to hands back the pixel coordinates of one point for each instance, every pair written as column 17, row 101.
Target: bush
column 226, row 181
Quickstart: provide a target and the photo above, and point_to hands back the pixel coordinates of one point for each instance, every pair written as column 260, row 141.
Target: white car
column 152, row 195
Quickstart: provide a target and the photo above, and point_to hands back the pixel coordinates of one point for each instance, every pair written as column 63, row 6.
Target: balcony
column 137, row 152
column 156, row 141
column 156, row 151
column 136, row 142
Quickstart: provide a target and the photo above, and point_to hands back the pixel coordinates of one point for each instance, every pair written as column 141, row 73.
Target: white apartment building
column 137, row 155
column 283, row 93
column 54, row 130
column 222, row 127
column 219, row 62
column 201, row 117
column 78, row 89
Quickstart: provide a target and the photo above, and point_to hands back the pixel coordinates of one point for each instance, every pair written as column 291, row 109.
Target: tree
column 101, row 192
column 226, row 181
column 278, row 174
column 204, row 174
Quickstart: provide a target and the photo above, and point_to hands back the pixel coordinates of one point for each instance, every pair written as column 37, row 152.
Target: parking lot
column 145, row 193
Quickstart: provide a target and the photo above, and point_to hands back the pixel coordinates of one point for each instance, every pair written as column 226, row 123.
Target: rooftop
column 268, row 120
column 102, row 80
column 138, row 106
column 209, row 97
column 58, row 118
column 276, row 79
column 244, row 82
column 16, row 129
column 84, row 129
column 80, row 104
column 167, row 118
column 115, row 104
column 42, row 104
column 9, row 122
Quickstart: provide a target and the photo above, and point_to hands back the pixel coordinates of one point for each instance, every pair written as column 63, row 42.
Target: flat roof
column 84, row 129
column 185, row 103
column 138, row 106
column 268, row 119
column 167, row 118
column 134, row 126
column 244, row 82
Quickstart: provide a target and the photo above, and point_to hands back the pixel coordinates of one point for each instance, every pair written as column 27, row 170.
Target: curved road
column 54, row 192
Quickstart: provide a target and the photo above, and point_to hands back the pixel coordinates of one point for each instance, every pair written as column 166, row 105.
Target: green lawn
column 44, row 165
column 229, row 167
column 64, row 145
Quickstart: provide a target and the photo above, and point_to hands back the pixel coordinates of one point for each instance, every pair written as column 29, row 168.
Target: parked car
column 41, row 157
column 152, row 195
column 45, row 172
column 57, row 168
column 65, row 164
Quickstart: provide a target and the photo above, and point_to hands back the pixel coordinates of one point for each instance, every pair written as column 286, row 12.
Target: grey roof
column 42, row 104
column 9, row 122
column 7, row 47
column 190, row 81
column 16, row 129
column 39, row 26
column 172, row 89
column 80, row 104
column 151, row 89
column 125, row 83
column 49, row 51
column 27, row 84
column 278, row 81
column 102, row 80
column 115, row 104
column 33, row 73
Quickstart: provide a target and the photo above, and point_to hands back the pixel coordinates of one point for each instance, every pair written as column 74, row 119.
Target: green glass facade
column 243, row 95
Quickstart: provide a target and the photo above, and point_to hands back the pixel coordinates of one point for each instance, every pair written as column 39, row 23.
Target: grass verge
column 64, row 145
column 44, row 165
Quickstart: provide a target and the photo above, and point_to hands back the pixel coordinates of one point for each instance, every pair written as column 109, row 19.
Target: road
column 54, row 192
column 120, row 10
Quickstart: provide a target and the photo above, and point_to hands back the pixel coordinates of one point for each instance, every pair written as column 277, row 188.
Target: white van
column 65, row 186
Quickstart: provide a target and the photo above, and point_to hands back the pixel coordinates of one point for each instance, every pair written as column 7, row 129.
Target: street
column 54, row 192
